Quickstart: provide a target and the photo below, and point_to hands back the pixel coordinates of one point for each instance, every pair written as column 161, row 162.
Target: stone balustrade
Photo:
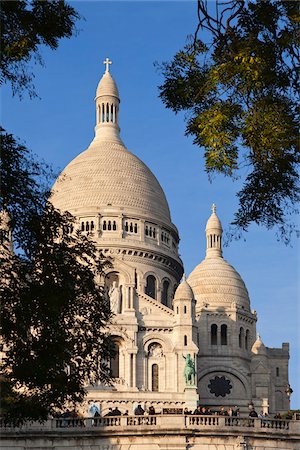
column 142, row 424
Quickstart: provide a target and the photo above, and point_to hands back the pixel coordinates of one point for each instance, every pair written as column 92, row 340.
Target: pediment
column 150, row 308
column 258, row 367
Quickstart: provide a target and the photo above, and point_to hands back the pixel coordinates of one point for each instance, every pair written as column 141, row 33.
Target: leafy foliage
column 53, row 310
column 25, row 25
column 240, row 90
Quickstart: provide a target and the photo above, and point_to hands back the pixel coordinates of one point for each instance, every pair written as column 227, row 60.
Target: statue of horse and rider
column 189, row 370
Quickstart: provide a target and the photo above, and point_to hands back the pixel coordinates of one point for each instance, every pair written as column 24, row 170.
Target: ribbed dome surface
column 108, row 174
column 213, row 223
column 216, row 282
column 107, row 86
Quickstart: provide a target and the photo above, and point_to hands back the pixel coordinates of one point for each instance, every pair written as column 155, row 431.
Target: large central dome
column 107, row 174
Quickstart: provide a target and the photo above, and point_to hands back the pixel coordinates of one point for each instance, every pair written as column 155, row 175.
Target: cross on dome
column 107, row 62
column 214, row 208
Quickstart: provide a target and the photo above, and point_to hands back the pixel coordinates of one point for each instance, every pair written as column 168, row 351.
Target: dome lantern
column 107, row 107
column 213, row 232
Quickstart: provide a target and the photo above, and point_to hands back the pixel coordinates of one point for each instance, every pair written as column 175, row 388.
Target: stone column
column 99, row 231
column 128, row 369
column 120, row 224
column 134, row 370
column 142, row 230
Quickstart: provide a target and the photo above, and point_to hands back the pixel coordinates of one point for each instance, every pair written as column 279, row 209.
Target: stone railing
column 157, row 423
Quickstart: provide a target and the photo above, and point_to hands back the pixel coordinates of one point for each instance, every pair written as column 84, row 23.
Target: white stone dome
column 107, row 174
column 184, row 291
column 216, row 282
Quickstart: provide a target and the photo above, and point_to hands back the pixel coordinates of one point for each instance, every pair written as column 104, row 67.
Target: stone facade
column 119, row 203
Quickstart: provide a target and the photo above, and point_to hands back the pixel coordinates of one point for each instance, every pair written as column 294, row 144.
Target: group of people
column 206, row 411
column 138, row 411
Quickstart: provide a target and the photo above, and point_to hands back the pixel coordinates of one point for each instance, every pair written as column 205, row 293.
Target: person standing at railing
column 139, row 411
column 236, row 412
column 253, row 413
column 198, row 411
column 151, row 411
column 116, row 412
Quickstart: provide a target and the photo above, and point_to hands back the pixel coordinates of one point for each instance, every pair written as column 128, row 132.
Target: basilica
column 179, row 340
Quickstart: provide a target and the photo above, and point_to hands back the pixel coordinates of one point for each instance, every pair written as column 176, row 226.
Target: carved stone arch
column 116, row 332
column 226, row 370
column 151, row 272
column 151, row 338
column 152, row 284
column 124, row 269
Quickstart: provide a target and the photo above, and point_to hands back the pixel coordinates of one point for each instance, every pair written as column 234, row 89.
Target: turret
column 184, row 308
column 107, row 108
column 213, row 232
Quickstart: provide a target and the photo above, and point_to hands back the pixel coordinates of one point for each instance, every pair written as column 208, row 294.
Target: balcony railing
column 156, row 423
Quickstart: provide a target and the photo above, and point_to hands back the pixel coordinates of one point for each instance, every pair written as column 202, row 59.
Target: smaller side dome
column 258, row 347
column 184, row 291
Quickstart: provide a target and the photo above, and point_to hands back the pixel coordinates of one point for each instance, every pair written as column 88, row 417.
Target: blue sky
column 60, row 125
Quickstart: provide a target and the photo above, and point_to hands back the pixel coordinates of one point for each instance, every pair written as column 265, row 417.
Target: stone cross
column 213, row 208
column 107, row 62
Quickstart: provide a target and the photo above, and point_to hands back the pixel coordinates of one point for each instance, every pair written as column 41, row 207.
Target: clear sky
column 60, row 125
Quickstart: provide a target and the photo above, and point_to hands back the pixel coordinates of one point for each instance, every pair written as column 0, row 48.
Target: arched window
column 131, row 227
column 103, row 114
column 126, row 226
column 151, row 286
column 87, row 226
column 165, row 292
column 82, row 226
column 184, row 340
column 241, row 337
column 214, row 334
column 154, row 233
column 184, row 309
column 154, row 378
column 111, row 112
column 115, row 362
column 247, row 339
column 114, row 225
column 177, row 310
column 135, row 228
column 109, row 225
column 107, row 112
column 223, row 334
column 146, row 230
column 92, row 225
column 150, row 232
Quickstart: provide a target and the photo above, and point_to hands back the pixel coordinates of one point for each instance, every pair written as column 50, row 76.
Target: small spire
column 107, row 62
column 184, row 277
column 213, row 234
